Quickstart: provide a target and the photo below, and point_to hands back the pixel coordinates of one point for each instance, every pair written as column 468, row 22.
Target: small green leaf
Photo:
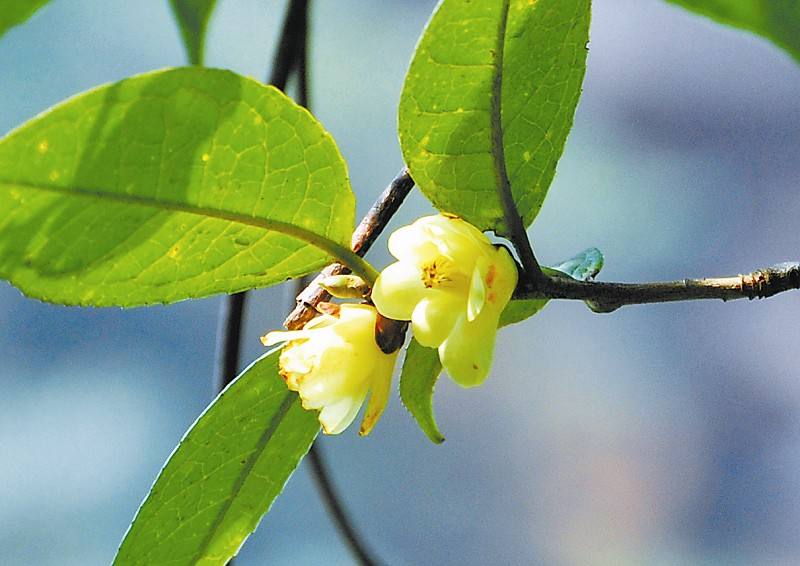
column 224, row 474
column 491, row 93
column 776, row 20
column 172, row 185
column 192, row 16
column 518, row 310
column 14, row 12
column 583, row 266
column 421, row 369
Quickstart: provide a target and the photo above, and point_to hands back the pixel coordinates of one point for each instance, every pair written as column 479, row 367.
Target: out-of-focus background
column 665, row 434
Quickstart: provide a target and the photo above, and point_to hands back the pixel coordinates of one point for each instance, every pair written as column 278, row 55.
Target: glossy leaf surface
column 171, row 185
column 225, row 473
column 490, row 95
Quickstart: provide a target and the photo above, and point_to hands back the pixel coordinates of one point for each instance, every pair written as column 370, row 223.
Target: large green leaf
column 421, row 369
column 225, row 473
column 14, row 12
column 192, row 16
column 491, row 94
column 166, row 186
column 777, row 20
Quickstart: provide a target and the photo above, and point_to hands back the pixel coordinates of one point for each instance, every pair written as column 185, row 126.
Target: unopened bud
column 345, row 286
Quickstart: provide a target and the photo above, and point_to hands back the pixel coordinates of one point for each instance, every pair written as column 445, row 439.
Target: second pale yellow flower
column 452, row 284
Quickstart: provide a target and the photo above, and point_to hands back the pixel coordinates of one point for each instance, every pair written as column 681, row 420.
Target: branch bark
column 364, row 236
column 607, row 297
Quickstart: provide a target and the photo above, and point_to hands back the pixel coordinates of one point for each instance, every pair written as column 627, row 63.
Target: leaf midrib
column 252, row 460
column 327, row 245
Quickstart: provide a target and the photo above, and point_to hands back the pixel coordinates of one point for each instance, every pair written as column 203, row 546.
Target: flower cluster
column 450, row 282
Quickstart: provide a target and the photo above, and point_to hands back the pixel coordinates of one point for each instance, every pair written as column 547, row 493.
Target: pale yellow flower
column 333, row 363
column 452, row 284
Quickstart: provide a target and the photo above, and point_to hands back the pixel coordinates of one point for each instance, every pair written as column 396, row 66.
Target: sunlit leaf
column 421, row 369
column 776, row 20
column 192, row 17
column 224, row 475
column 492, row 85
column 166, row 186
column 14, row 12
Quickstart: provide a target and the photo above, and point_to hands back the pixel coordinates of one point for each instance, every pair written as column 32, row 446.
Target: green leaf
column 14, row 12
column 224, row 474
column 192, row 16
column 421, row 369
column 488, row 97
column 776, row 20
column 583, row 266
column 166, row 186
column 518, row 310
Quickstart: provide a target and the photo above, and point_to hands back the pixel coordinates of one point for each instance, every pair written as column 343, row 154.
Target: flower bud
column 345, row 286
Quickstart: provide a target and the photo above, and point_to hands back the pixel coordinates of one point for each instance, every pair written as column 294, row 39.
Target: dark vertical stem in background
column 229, row 339
column 337, row 512
column 291, row 55
column 319, row 469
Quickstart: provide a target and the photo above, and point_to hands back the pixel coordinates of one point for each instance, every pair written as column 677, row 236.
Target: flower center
column 437, row 273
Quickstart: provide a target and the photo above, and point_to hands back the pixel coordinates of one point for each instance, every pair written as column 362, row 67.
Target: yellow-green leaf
column 421, row 369
column 166, row 186
column 224, row 475
column 776, row 20
column 14, row 12
column 490, row 94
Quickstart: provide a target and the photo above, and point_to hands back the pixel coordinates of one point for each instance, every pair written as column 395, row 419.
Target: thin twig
column 331, row 499
column 229, row 339
column 364, row 236
column 291, row 45
column 607, row 297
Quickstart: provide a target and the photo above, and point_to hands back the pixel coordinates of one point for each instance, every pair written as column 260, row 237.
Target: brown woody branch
column 607, row 297
column 364, row 236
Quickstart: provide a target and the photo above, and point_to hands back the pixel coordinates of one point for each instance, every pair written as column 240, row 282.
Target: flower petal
column 434, row 317
column 477, row 288
column 277, row 336
column 337, row 416
column 412, row 244
column 467, row 352
column 380, row 386
column 397, row 290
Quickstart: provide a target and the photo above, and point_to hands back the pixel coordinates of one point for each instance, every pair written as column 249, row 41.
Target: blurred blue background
column 665, row 434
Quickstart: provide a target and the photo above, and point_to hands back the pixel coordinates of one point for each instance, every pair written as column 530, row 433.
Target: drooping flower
column 333, row 362
column 452, row 284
